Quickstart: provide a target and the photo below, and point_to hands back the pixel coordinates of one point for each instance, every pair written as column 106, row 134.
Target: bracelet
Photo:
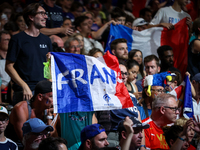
column 180, row 100
column 181, row 138
column 50, row 117
column 143, row 146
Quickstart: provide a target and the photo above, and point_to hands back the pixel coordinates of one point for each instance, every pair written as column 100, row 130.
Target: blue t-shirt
column 28, row 54
column 8, row 144
column 142, row 112
column 117, row 115
column 139, row 85
column 55, row 16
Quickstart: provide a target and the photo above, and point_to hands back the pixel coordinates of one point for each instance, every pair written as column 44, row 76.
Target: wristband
column 143, row 146
column 181, row 138
column 180, row 100
column 50, row 117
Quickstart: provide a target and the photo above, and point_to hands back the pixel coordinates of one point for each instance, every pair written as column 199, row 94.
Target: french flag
column 188, row 111
column 187, row 106
column 150, row 39
column 84, row 83
column 177, row 91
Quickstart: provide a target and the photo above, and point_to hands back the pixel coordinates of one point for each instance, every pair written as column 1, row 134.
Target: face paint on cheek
column 47, row 101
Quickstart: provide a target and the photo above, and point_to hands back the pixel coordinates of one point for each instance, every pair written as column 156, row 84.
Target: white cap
column 139, row 22
column 3, row 110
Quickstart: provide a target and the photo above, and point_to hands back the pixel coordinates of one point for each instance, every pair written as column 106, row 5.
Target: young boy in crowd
column 5, row 143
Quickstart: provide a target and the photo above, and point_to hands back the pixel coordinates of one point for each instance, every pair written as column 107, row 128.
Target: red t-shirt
column 191, row 147
column 154, row 137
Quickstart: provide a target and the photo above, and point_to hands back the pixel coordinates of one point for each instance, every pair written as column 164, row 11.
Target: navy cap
column 35, row 125
column 91, row 131
column 43, row 87
column 196, row 77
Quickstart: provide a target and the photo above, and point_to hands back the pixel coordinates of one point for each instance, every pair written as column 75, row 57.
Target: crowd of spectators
column 31, row 29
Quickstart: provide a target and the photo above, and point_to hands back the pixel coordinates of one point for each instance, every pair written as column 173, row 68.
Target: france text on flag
column 188, row 105
column 150, row 39
column 84, row 83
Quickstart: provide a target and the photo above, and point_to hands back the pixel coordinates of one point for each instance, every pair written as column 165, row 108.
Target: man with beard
column 34, row 131
column 164, row 111
column 152, row 66
column 93, row 137
column 26, row 53
column 166, row 57
column 119, row 48
column 39, row 106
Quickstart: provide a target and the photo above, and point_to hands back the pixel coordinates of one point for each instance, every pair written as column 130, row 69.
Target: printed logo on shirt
column 55, row 16
column 173, row 20
column 43, row 46
column 133, row 109
column 163, row 143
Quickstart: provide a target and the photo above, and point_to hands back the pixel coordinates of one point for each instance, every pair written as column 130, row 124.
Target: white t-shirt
column 91, row 43
column 4, row 76
column 168, row 15
column 196, row 108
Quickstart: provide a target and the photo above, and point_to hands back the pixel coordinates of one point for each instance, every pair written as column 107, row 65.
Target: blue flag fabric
column 188, row 105
column 84, row 83
column 119, row 31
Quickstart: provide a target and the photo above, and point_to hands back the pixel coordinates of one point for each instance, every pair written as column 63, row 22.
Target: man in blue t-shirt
column 26, row 53
column 54, row 20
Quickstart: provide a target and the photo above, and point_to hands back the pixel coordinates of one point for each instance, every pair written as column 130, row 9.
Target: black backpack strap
column 29, row 109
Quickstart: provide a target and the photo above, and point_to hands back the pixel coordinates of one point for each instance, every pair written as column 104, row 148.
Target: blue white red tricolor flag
column 84, row 83
column 177, row 91
column 150, row 39
column 188, row 105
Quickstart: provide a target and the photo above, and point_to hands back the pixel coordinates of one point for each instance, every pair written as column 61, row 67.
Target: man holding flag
column 91, row 84
column 168, row 16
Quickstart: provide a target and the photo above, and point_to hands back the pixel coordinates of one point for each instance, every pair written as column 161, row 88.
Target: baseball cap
column 139, row 22
column 43, row 87
column 35, row 125
column 136, row 124
column 3, row 110
column 196, row 77
column 89, row 132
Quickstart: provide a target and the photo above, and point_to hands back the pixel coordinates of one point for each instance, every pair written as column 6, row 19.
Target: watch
column 50, row 117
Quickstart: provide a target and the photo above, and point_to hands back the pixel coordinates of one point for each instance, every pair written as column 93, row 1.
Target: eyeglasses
column 158, row 90
column 173, row 108
column 77, row 46
column 43, row 13
column 3, row 120
column 124, row 73
column 41, row 135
